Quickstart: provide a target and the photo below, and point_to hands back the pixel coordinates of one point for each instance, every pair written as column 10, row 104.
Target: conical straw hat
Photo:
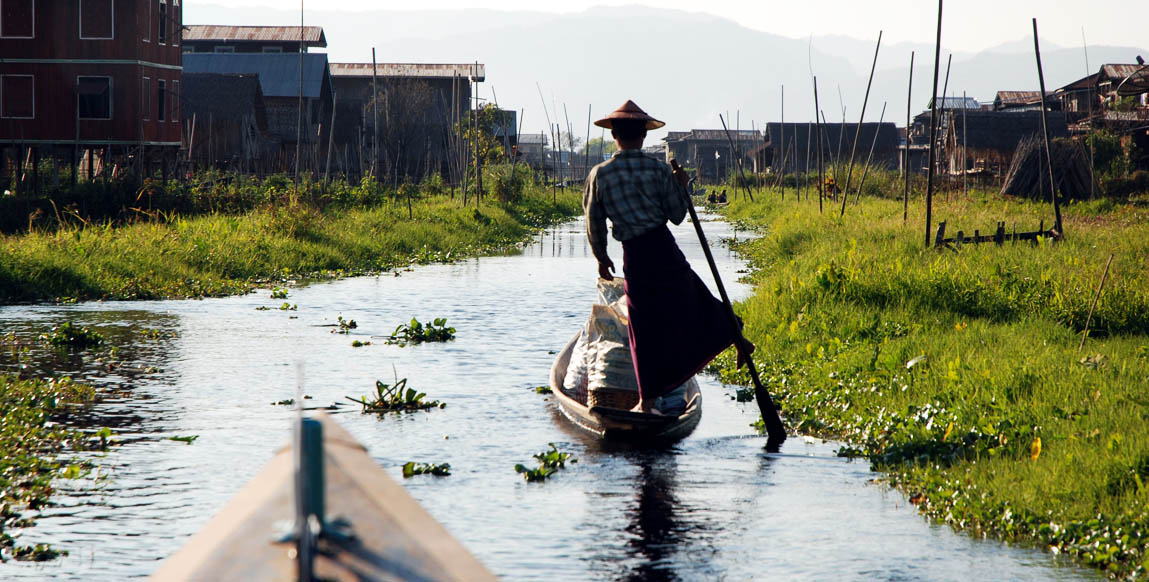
column 629, row 110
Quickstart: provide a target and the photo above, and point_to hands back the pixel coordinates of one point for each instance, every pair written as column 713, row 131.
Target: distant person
column 722, row 197
column 676, row 326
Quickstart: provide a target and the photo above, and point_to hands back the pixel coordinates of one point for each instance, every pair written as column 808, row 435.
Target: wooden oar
column 774, row 429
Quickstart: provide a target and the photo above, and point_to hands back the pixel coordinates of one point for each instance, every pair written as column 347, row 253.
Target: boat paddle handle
column 776, row 432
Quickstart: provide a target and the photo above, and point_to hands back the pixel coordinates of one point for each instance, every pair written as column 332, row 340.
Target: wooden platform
column 395, row 538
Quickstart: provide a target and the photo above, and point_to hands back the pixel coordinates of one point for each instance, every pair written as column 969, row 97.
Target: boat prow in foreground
column 623, row 425
column 394, row 538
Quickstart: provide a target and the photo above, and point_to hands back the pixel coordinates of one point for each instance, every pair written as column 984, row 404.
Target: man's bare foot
column 643, row 407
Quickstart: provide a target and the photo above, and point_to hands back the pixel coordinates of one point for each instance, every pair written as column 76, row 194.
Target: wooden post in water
column 1045, row 134
column 906, row 167
column 858, row 131
column 933, row 128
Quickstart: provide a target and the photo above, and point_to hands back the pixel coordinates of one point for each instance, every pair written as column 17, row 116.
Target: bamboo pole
column 782, row 125
column 1096, row 297
column 1089, row 105
column 299, row 117
column 821, row 168
column 330, row 137
column 933, row 128
column 870, row 158
column 906, row 167
column 734, row 152
column 586, row 147
column 374, row 117
column 1045, row 133
column 964, row 150
column 858, row 131
column 806, row 180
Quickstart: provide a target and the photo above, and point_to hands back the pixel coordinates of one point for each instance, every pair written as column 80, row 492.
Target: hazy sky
column 970, row 25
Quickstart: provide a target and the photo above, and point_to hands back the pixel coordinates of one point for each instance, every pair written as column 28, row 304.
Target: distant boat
column 393, row 537
column 617, row 422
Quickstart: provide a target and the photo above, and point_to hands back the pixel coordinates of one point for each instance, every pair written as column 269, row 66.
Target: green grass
column 31, row 439
column 1003, row 427
column 219, row 254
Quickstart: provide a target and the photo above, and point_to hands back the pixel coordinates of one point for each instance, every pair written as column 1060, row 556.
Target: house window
column 146, row 98
column 161, row 99
column 94, row 97
column 272, row 49
column 162, row 36
column 224, row 49
column 97, row 19
column 17, row 18
column 17, row 96
column 175, row 101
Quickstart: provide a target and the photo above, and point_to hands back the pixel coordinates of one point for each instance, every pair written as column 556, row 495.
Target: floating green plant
column 344, row 326
column 416, row 333
column 550, row 462
column 279, row 293
column 69, row 335
column 544, row 390
column 359, row 344
column 263, row 308
column 396, row 398
column 288, row 307
column 411, row 468
column 187, row 440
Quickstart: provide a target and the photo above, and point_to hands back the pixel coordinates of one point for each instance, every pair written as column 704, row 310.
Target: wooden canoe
column 395, row 538
column 623, row 425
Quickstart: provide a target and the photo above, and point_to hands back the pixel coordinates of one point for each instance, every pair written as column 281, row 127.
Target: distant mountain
column 683, row 67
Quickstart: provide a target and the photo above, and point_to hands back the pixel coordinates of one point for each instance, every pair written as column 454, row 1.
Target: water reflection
column 656, row 525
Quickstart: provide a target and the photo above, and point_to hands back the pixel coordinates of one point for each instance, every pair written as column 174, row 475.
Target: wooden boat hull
column 395, row 538
column 624, row 425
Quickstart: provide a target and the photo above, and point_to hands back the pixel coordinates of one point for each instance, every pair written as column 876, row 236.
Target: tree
column 600, row 148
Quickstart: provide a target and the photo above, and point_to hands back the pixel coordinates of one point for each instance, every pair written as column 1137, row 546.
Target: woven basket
column 612, row 398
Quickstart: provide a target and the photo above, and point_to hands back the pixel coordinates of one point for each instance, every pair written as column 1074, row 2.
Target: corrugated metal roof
column 1114, row 71
column 312, row 35
column 533, row 138
column 714, row 134
column 278, row 72
column 478, row 71
column 956, row 103
column 1020, row 97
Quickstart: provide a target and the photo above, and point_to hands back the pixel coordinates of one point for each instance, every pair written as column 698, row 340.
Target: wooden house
column 90, row 75
column 709, row 151
column 838, row 139
column 420, row 107
column 987, row 140
column 203, row 38
column 280, row 84
column 224, row 119
column 1025, row 101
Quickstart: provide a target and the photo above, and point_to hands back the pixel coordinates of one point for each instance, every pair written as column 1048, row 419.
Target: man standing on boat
column 676, row 326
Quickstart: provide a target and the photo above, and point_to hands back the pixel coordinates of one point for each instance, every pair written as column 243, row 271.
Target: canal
column 715, row 506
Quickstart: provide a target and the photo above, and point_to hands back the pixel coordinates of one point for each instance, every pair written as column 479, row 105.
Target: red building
column 81, row 75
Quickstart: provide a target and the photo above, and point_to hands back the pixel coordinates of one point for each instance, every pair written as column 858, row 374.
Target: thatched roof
column 1002, row 130
column 223, row 98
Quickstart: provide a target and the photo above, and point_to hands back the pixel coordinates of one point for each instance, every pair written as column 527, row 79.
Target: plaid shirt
column 636, row 192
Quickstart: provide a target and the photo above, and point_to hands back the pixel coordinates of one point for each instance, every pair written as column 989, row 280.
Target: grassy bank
column 958, row 374
column 219, row 253
column 30, row 441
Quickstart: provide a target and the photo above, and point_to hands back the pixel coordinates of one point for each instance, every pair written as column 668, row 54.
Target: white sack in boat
column 609, row 364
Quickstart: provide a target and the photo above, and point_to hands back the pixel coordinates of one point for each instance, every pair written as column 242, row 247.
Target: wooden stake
column 330, row 137
column 870, row 158
column 858, row 132
column 933, row 129
column 1096, row 297
column 906, row 167
column 782, row 125
column 821, row 168
column 1045, row 133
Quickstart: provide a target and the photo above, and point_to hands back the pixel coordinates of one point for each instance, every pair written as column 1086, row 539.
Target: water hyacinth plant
column 396, row 398
column 550, row 461
column 414, row 332
column 68, row 334
column 411, row 468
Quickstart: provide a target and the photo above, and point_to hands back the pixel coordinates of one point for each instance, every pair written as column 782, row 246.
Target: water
column 713, row 507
